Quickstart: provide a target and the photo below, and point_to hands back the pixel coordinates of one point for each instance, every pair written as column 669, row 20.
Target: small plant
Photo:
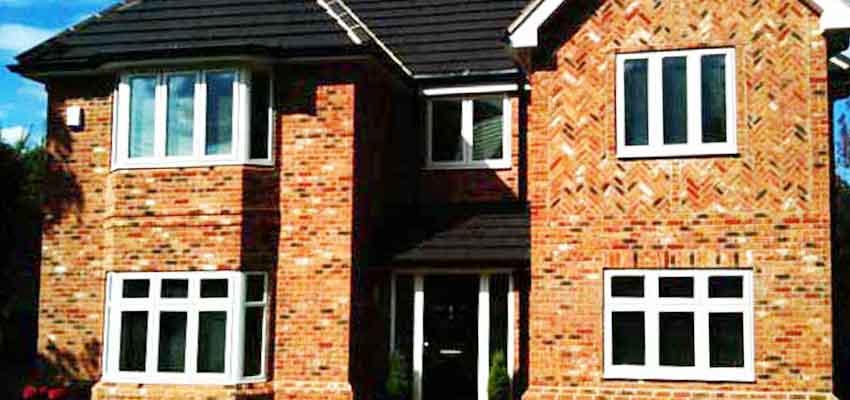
column 398, row 379
column 499, row 383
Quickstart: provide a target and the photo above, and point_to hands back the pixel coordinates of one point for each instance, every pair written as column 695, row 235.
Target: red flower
column 29, row 393
column 57, row 393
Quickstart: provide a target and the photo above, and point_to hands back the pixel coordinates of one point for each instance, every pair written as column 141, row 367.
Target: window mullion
column 656, row 104
column 192, row 328
column 198, row 123
column 466, row 129
column 694, row 99
column 152, row 347
column 242, row 116
column 202, row 116
column 236, row 341
column 160, row 116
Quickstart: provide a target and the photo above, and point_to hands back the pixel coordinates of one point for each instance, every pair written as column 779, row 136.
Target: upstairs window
column 193, row 118
column 692, row 325
column 186, row 327
column 676, row 103
column 469, row 133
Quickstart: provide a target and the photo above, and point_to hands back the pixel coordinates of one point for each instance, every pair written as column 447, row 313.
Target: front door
column 450, row 347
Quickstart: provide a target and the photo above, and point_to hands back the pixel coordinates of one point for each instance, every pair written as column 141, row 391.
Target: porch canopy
column 458, row 236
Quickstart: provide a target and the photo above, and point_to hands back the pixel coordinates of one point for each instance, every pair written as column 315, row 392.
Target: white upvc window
column 186, row 328
column 676, row 103
column 187, row 118
column 472, row 132
column 694, row 325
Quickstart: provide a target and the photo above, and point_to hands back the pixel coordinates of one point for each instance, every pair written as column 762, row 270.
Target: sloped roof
column 174, row 27
column 437, row 37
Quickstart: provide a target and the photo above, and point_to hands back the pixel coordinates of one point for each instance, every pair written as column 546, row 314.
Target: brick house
column 273, row 198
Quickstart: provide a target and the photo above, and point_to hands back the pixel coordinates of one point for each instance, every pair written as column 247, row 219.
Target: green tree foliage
column 398, row 378
column 499, row 383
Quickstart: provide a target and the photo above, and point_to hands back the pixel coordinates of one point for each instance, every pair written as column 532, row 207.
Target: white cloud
column 13, row 135
column 18, row 38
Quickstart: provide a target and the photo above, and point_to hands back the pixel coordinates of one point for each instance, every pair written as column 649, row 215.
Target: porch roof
column 446, row 235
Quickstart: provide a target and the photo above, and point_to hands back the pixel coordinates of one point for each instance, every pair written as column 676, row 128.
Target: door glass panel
column 714, row 99
column 404, row 323
column 142, row 120
column 637, row 102
column 212, row 334
column 498, row 315
column 446, row 140
column 450, row 353
column 675, row 100
column 134, row 335
column 219, row 112
column 172, row 342
column 260, row 88
column 487, row 129
column 726, row 339
column 676, row 342
column 180, row 115
column 629, row 347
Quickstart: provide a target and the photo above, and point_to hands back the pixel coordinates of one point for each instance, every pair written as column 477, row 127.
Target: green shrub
column 499, row 383
column 398, row 378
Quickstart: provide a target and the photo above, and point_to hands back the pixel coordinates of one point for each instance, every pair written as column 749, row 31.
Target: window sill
column 213, row 380
column 685, row 374
column 674, row 151
column 167, row 164
column 498, row 165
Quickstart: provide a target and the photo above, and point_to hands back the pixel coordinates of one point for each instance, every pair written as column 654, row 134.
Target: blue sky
column 23, row 24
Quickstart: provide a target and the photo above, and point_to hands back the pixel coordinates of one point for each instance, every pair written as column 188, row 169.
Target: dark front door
column 450, row 338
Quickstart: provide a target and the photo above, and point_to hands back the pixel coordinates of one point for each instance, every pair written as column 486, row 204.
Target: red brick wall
column 766, row 209
column 295, row 219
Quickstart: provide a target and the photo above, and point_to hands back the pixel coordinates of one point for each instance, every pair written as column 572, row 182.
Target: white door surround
column 483, row 326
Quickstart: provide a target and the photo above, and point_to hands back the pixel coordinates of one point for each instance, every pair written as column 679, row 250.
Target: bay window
column 676, row 103
column 192, row 327
column 679, row 325
column 193, row 118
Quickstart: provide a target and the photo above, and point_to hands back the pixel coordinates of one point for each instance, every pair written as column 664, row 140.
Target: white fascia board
column 524, row 30
column 466, row 90
column 836, row 14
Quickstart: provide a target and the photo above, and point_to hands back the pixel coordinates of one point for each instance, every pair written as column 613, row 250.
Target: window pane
column 446, row 140
column 675, row 100
column 627, row 334
column 498, row 315
column 135, row 288
column 260, row 86
column 676, row 342
column 627, row 286
column 256, row 287
column 134, row 334
column 181, row 115
column 676, row 287
column 636, row 100
column 214, row 288
column 726, row 287
column 172, row 342
column 253, row 341
column 175, row 289
column 219, row 112
column 714, row 99
column 212, row 334
column 142, row 112
column 487, row 129
column 726, row 338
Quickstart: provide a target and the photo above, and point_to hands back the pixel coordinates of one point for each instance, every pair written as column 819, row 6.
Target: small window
column 676, row 103
column 684, row 325
column 191, row 327
column 193, row 118
column 469, row 132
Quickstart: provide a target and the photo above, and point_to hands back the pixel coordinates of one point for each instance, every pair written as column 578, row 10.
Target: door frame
column 483, row 322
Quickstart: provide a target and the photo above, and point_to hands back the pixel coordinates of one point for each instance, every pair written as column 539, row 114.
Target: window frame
column 700, row 305
column 234, row 305
column 467, row 140
column 240, row 152
column 694, row 145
